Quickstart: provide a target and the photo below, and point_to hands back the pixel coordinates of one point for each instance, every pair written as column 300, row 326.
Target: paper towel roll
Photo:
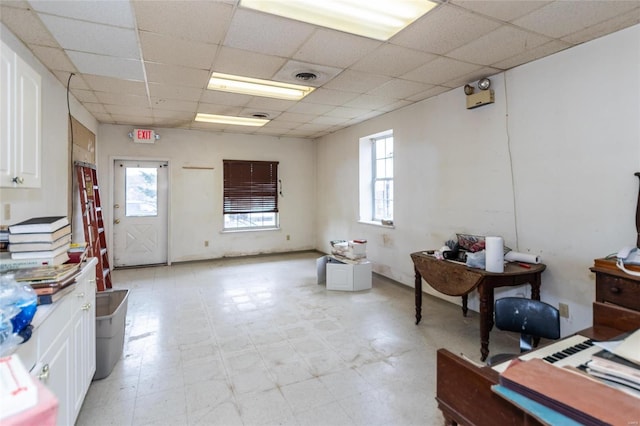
column 514, row 256
column 494, row 249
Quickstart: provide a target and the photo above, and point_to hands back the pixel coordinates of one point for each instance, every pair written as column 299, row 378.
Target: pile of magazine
column 619, row 364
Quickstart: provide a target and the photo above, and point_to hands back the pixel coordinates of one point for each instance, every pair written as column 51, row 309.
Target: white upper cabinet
column 20, row 122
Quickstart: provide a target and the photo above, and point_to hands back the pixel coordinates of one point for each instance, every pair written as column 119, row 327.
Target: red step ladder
column 94, row 234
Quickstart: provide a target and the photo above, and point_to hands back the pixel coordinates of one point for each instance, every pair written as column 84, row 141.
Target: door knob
column 117, row 221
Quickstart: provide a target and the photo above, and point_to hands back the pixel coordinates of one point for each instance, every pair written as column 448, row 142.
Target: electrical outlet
column 206, row 243
column 564, row 310
column 288, row 237
column 7, row 211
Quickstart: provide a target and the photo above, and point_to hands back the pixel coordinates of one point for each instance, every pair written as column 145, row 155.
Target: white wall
column 196, row 195
column 549, row 167
column 52, row 197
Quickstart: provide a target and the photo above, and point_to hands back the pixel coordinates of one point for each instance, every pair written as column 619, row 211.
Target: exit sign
column 144, row 136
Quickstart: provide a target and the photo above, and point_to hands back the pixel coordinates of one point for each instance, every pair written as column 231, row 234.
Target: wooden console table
column 457, row 279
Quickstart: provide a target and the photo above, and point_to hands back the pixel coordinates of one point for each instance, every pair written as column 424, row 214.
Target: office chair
column 531, row 318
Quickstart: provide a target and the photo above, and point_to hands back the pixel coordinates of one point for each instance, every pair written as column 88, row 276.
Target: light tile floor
column 255, row 341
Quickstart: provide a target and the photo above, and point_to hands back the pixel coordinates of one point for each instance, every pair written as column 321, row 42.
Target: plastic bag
column 476, row 260
column 18, row 305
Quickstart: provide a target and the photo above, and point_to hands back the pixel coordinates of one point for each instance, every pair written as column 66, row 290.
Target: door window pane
column 141, row 191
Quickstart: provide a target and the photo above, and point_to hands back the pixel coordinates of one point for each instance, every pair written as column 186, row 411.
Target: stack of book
column 39, row 241
column 619, row 366
column 49, row 282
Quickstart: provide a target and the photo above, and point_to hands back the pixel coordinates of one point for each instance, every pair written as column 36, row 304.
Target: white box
column 344, row 274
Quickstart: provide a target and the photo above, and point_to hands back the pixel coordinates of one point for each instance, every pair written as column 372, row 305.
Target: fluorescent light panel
column 229, row 119
column 257, row 87
column 375, row 19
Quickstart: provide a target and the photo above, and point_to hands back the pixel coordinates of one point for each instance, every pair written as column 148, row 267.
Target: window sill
column 234, row 231
column 376, row 223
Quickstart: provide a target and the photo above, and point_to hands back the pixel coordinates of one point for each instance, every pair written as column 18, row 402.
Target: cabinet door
column 28, row 120
column 7, row 114
column 54, row 371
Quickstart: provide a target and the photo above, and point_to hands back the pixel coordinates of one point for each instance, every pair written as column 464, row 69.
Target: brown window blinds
column 250, row 186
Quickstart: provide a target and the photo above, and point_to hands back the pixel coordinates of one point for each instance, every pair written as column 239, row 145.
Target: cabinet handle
column 44, row 373
column 80, row 295
column 17, row 179
column 615, row 290
column 92, row 280
column 86, row 306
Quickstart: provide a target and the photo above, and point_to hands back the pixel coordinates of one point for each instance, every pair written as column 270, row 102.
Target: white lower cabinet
column 62, row 350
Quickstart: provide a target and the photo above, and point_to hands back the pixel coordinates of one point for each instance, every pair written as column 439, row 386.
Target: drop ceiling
column 147, row 63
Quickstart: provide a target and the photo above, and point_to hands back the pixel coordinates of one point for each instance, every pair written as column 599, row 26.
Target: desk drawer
column 620, row 291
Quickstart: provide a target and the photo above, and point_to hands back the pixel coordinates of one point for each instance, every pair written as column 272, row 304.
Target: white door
column 140, row 213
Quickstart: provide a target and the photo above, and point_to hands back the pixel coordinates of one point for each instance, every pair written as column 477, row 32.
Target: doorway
column 140, row 220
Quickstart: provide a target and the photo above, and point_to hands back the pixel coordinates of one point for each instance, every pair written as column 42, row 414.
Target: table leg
column 465, row 309
column 535, row 295
column 484, row 321
column 418, row 291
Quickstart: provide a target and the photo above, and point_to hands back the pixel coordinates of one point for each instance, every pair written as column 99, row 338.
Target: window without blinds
column 250, row 187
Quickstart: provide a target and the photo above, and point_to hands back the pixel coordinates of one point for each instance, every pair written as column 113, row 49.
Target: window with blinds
column 250, row 194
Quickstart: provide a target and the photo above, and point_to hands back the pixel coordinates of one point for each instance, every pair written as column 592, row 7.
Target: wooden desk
column 456, row 279
column 463, row 389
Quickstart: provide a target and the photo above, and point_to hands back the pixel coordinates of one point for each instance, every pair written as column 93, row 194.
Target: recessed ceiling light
column 229, row 119
column 257, row 87
column 380, row 20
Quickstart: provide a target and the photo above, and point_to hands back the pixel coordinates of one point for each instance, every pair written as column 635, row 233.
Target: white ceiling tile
column 504, row 10
column 224, row 98
column 399, row 89
column 249, row 112
column 531, row 55
column 296, row 117
column 332, row 121
column 266, row 34
column 108, row 98
column 561, row 18
column 440, row 70
column 93, row 38
column 128, row 110
column 175, row 51
column 369, row 102
column 176, row 75
column 356, row 81
column 498, row 45
column 392, row 60
column 434, row 91
column 27, row 26
column 54, row 58
column 347, row 112
column 264, row 103
column 85, row 96
column 113, row 85
column 246, row 63
column 166, row 91
column 394, row 106
column 96, row 108
column 108, row 66
column 218, row 109
column 132, row 120
column 176, row 115
column 205, row 21
column 329, row 97
column 309, row 108
column 444, row 29
column 114, row 13
column 335, row 48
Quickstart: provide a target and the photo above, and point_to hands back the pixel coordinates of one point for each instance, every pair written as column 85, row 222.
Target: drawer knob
column 86, row 306
column 80, row 295
column 44, row 373
column 616, row 290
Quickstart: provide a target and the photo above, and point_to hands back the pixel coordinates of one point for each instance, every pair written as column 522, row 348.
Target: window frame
column 366, row 194
column 375, row 178
column 250, row 188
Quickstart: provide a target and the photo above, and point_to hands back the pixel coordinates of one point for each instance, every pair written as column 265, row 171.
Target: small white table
column 344, row 274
